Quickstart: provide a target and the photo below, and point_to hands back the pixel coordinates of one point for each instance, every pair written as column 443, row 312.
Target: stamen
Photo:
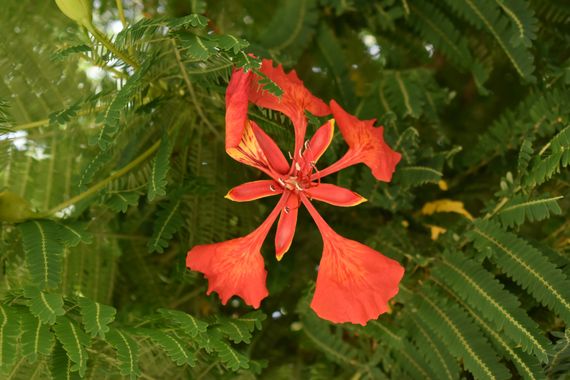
column 306, row 144
column 297, row 166
column 271, row 187
column 281, row 182
column 301, row 152
column 298, row 186
column 290, row 155
column 317, row 171
column 287, row 210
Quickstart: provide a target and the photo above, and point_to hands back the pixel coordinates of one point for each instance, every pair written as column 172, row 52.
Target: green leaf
column 268, row 84
column 174, row 347
column 433, row 348
column 526, row 265
column 292, row 27
column 46, row 306
column 404, row 94
column 484, row 293
column 73, row 233
column 160, row 166
column 169, row 220
column 417, row 175
column 121, row 100
column 525, row 154
column 522, row 208
column 187, row 322
column 230, row 357
column 96, row 317
column 36, row 337
column 334, row 56
column 528, row 366
column 60, row 365
column 9, row 332
column 542, row 169
column 484, row 14
column 229, row 42
column 460, row 335
column 335, row 348
column 44, row 252
column 197, row 47
column 120, row 201
column 240, row 330
column 127, row 352
column 74, row 340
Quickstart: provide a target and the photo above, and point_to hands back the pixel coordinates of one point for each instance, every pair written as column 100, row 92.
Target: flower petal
column 286, row 226
column 250, row 191
column 355, row 282
column 366, row 145
column 233, row 267
column 236, row 267
column 320, row 141
column 236, row 107
column 250, row 152
column 275, row 157
column 335, row 195
column 293, row 102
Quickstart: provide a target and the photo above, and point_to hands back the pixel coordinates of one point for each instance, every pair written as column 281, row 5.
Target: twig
column 192, row 92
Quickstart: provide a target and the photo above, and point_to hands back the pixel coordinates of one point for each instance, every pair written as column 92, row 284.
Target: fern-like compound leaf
column 37, row 339
column 483, row 292
column 96, row 317
column 176, row 349
column 526, row 265
column 240, row 330
column 9, row 332
column 168, row 222
column 74, row 340
column 127, row 352
column 160, row 166
column 44, row 252
column 522, row 208
column 191, row 325
column 46, row 306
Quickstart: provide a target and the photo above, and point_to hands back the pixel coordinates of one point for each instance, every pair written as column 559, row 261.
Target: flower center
column 300, row 177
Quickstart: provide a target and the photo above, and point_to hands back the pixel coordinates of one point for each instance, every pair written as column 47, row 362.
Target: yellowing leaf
column 435, row 231
column 446, row 205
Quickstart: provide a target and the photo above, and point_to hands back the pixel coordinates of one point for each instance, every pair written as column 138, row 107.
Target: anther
column 290, row 155
column 298, row 186
column 297, row 166
column 287, row 210
column 306, row 144
column 271, row 187
column 281, row 182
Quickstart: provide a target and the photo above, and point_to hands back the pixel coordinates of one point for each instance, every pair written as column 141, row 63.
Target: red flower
column 355, row 282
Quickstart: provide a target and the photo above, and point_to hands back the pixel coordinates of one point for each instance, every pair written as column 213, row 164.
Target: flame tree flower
column 354, row 282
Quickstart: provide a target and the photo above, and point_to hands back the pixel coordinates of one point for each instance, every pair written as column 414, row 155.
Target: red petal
column 250, row 152
column 274, row 156
column 355, row 282
column 366, row 145
column 235, row 267
column 250, row 191
column 294, row 101
column 236, row 107
column 320, row 141
column 335, row 195
column 286, row 226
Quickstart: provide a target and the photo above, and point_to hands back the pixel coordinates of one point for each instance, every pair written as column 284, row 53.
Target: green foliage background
column 112, row 167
